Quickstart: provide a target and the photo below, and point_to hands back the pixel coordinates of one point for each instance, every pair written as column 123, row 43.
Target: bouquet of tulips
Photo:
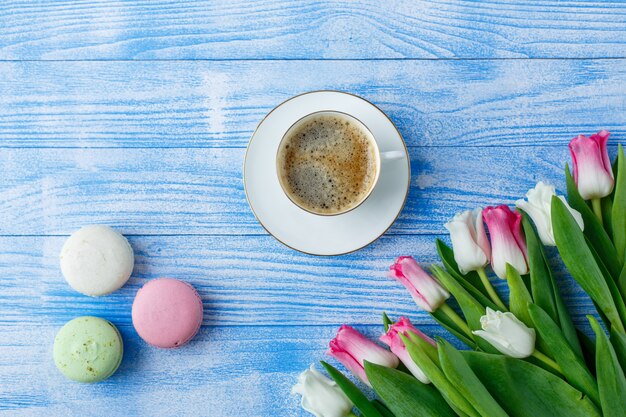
column 526, row 359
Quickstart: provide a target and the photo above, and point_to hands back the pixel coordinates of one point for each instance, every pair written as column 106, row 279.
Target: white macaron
column 97, row 260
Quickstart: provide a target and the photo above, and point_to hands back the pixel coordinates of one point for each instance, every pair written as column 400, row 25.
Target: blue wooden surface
column 136, row 114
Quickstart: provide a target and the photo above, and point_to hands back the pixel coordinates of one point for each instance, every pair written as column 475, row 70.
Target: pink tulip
column 592, row 167
column 508, row 244
column 426, row 291
column 394, row 341
column 351, row 348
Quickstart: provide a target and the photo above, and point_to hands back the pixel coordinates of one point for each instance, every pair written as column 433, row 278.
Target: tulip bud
column 508, row 244
column 507, row 334
column 352, row 349
column 469, row 240
column 425, row 290
column 538, row 207
column 321, row 396
column 394, row 341
column 592, row 167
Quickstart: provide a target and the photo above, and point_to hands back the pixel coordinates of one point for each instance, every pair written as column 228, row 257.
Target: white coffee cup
column 378, row 156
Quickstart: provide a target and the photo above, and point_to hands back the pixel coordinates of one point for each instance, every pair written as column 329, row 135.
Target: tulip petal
column 321, row 396
column 507, row 334
column 538, row 207
column 351, row 348
column 395, row 343
column 469, row 240
column 592, row 167
column 507, row 240
column 425, row 290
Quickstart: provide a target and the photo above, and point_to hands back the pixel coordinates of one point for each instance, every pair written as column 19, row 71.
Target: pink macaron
column 167, row 313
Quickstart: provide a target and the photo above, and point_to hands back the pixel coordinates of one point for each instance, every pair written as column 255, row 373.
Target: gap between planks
column 550, row 145
column 616, row 57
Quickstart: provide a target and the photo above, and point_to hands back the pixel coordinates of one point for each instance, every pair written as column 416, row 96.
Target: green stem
column 545, row 359
column 490, row 290
column 597, row 209
column 447, row 310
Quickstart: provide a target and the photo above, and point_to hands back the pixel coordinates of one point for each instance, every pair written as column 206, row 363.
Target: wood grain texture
column 218, row 104
column 243, row 280
column 136, row 114
column 223, row 372
column 281, row 29
column 200, row 191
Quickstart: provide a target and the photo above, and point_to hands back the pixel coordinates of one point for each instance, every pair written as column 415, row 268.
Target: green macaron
column 88, row 349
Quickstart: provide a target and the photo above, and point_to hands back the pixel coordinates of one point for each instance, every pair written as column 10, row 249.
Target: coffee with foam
column 327, row 164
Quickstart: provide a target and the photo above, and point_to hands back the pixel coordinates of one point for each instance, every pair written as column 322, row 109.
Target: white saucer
column 307, row 232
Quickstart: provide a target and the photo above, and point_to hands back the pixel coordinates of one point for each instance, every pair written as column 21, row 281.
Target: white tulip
column 321, row 396
column 507, row 334
column 538, row 207
column 469, row 240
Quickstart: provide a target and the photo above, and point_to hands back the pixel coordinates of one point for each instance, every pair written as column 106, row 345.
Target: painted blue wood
column 108, row 130
column 280, row 29
column 242, row 281
column 200, row 191
column 218, row 104
column 224, row 372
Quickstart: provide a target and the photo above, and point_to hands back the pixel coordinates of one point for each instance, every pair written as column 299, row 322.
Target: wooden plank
column 200, row 191
column 223, row 372
column 243, row 280
column 279, row 29
column 218, row 104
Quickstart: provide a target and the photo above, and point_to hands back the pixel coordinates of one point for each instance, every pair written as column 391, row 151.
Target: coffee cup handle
column 391, row 155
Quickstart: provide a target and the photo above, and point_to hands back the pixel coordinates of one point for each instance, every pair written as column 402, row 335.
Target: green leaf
column 545, row 292
column 472, row 309
column 614, row 169
column 618, row 340
column 606, row 207
column 386, row 321
column 615, row 293
column 611, row 380
column 519, row 297
column 382, row 408
column 565, row 321
column 593, row 229
column 404, row 395
column 580, row 261
column 572, row 365
column 424, row 346
column 452, row 327
column 466, row 382
column 525, row 390
column 452, row 396
column 540, row 272
column 355, row 395
column 589, row 351
column 618, row 212
column 621, row 283
column 471, row 282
